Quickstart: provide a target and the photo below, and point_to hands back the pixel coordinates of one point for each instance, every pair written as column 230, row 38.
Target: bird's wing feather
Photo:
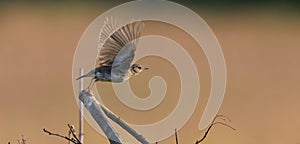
column 112, row 41
column 122, row 62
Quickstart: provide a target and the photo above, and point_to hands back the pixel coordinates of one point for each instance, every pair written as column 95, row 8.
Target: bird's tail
column 89, row 74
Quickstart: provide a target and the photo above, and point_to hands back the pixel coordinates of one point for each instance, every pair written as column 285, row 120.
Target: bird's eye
column 140, row 67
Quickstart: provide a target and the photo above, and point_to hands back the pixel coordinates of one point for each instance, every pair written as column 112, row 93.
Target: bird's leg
column 91, row 84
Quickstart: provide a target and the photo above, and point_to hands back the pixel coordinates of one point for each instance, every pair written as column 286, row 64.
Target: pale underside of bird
column 116, row 51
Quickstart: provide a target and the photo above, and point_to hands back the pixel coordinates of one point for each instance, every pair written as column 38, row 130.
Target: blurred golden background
column 261, row 45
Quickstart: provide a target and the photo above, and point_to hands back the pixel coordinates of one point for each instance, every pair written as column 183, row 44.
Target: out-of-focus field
column 261, row 49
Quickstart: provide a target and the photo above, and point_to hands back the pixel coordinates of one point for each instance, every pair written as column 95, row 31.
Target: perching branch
column 124, row 125
column 93, row 106
column 222, row 117
column 88, row 100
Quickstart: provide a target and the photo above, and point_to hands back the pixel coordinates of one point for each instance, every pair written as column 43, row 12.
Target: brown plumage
column 116, row 50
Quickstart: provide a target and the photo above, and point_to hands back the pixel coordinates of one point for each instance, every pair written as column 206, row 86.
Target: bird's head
column 137, row 68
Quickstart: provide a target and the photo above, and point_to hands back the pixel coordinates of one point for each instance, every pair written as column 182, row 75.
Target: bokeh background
column 261, row 45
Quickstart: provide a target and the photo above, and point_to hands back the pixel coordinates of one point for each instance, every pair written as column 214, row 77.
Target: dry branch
column 93, row 106
column 22, row 141
column 222, row 117
column 74, row 139
column 124, row 125
column 176, row 138
column 72, row 131
column 90, row 101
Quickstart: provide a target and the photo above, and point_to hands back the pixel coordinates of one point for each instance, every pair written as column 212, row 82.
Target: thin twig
column 81, row 122
column 61, row 136
column 22, row 141
column 222, row 117
column 72, row 130
column 224, row 124
column 204, row 136
column 176, row 138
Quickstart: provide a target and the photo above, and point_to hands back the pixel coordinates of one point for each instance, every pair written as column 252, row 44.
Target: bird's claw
column 89, row 91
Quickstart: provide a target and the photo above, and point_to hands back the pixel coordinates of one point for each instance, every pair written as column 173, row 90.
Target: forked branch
column 100, row 114
column 222, row 117
column 73, row 139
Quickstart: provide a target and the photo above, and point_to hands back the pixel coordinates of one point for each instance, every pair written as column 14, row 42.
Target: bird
column 116, row 51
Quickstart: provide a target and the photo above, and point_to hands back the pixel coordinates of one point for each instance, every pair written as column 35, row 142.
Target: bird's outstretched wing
column 118, row 44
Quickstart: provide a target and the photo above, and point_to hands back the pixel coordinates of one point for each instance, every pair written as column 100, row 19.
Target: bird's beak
column 89, row 74
column 81, row 77
column 146, row 68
